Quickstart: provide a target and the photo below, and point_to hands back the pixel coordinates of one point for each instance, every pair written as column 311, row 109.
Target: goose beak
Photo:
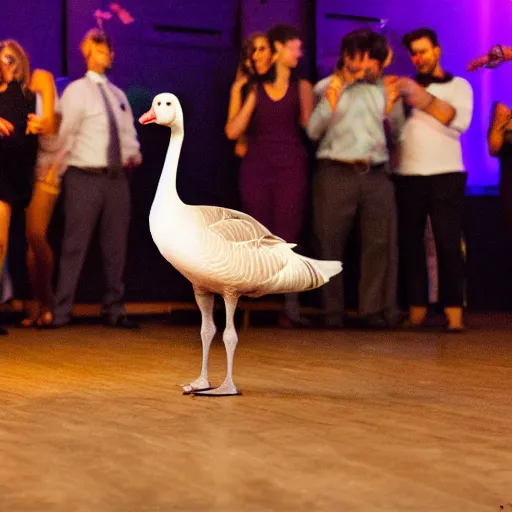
column 148, row 117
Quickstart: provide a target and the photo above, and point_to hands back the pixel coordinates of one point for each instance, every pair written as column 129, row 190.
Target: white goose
column 220, row 251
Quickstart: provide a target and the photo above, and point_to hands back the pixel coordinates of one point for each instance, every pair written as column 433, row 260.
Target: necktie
column 114, row 146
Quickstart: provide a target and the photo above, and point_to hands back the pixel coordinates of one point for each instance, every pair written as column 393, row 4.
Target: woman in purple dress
column 255, row 61
column 274, row 172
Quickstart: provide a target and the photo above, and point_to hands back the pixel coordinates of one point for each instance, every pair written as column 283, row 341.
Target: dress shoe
column 121, row 322
column 454, row 328
column 333, row 321
column 374, row 321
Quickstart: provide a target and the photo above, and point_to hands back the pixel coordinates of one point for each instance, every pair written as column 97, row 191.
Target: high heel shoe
column 45, row 319
column 28, row 322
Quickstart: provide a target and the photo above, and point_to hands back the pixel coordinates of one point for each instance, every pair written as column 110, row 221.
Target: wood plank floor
column 92, row 419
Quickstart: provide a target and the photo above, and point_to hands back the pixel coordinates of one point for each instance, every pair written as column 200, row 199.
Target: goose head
column 165, row 110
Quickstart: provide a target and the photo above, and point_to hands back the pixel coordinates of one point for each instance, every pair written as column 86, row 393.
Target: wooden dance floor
column 92, row 419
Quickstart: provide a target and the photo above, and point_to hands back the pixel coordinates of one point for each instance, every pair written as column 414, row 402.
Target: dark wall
column 38, row 26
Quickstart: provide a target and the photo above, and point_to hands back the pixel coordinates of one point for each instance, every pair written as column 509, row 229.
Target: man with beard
column 374, row 47
column 352, row 177
column 101, row 142
column 431, row 176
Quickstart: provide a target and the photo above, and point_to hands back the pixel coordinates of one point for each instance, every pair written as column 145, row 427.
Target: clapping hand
column 413, row 93
column 36, row 125
column 334, row 90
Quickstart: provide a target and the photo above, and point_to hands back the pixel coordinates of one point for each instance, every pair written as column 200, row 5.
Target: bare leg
column 32, row 307
column 230, row 339
column 5, row 221
column 40, row 255
column 205, row 301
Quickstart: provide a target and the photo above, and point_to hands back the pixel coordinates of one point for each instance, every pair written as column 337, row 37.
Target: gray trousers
column 340, row 193
column 93, row 200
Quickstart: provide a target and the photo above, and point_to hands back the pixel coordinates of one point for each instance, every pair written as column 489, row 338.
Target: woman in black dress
column 18, row 152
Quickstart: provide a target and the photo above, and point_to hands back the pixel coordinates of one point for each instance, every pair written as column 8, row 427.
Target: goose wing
column 240, row 228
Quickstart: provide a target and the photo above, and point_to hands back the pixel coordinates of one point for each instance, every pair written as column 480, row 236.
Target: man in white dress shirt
column 101, row 143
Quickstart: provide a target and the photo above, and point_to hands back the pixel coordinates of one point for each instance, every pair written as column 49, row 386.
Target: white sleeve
column 71, row 107
column 462, row 102
column 129, row 139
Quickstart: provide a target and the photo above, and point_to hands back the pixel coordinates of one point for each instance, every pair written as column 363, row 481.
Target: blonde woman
column 44, row 122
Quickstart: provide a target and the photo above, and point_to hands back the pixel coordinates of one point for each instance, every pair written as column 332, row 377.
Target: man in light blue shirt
column 352, row 177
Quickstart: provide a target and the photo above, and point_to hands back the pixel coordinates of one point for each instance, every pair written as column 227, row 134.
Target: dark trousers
column 340, row 193
column 441, row 197
column 93, row 200
column 506, row 194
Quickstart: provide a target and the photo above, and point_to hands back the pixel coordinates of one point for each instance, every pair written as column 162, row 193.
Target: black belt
column 106, row 171
column 362, row 166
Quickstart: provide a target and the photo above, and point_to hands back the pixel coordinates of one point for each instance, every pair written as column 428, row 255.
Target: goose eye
column 159, row 103
column 168, row 103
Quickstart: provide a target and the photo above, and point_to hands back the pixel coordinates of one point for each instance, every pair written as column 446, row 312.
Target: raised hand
column 241, row 78
column 478, row 63
column 497, row 55
column 6, row 128
column 333, row 91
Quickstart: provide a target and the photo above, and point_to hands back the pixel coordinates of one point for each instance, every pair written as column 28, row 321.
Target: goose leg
column 230, row 339
column 205, row 301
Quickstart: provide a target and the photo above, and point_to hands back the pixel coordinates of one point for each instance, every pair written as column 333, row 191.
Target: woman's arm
column 391, row 92
column 43, row 83
column 235, row 105
column 497, row 55
column 500, row 117
column 418, row 97
column 307, row 101
column 325, row 108
column 239, row 115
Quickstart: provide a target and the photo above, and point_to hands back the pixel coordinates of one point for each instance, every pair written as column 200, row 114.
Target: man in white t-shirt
column 431, row 176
